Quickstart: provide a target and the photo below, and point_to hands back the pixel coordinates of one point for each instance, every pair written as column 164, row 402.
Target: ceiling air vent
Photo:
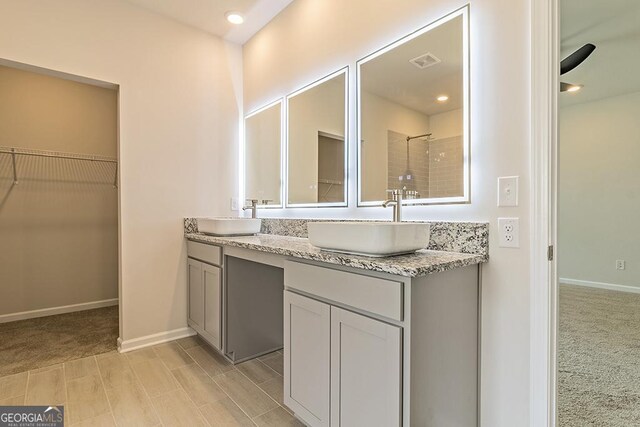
column 425, row 61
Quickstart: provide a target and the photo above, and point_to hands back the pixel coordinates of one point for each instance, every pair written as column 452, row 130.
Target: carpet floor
column 36, row 343
column 598, row 357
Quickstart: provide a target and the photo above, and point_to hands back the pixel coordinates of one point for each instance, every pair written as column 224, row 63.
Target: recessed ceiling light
column 574, row 88
column 234, row 17
column 442, row 98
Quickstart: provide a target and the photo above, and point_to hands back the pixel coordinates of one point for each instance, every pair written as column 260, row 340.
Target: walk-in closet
column 58, row 218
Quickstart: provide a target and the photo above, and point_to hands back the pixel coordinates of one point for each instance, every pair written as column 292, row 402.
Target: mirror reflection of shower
column 407, row 179
column 424, row 164
column 426, row 137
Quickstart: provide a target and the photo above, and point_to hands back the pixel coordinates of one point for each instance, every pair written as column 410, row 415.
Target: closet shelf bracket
column 13, row 162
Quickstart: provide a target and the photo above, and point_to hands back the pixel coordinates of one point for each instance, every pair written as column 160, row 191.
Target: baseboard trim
column 600, row 285
column 32, row 314
column 148, row 340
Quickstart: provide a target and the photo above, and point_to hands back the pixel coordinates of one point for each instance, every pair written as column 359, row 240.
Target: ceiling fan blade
column 576, row 58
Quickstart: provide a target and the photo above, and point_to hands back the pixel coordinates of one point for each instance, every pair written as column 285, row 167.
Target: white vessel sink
column 377, row 239
column 229, row 226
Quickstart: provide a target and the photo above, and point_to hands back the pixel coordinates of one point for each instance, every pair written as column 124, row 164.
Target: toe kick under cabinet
column 373, row 349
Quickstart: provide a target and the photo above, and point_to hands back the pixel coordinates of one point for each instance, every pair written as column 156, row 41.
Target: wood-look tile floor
column 180, row 383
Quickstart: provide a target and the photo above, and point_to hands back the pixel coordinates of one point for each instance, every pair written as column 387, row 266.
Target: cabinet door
column 212, row 299
column 306, row 358
column 366, row 372
column 196, row 292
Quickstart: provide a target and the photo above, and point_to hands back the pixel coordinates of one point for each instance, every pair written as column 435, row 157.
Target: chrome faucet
column 396, row 202
column 253, row 207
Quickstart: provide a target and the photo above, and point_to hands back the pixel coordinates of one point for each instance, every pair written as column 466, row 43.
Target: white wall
column 298, row 47
column 446, row 125
column 179, row 106
column 599, row 197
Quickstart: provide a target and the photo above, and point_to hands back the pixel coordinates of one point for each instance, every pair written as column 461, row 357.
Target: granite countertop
column 421, row 263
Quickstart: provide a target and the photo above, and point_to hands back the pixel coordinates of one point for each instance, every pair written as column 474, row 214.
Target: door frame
column 545, row 68
column 31, row 67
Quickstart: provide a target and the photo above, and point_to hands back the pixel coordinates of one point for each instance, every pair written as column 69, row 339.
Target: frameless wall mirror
column 413, row 116
column 316, row 143
column 263, row 155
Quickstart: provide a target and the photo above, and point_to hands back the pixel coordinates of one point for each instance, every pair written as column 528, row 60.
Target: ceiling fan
column 571, row 62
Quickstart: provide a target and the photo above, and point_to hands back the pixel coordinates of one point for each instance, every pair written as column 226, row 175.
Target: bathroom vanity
column 386, row 341
column 367, row 341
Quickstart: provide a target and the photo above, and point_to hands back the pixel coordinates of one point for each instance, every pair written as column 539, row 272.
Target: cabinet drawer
column 207, row 253
column 379, row 296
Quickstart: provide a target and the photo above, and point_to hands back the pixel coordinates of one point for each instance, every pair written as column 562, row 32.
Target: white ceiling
column 614, row 67
column 209, row 15
column 393, row 77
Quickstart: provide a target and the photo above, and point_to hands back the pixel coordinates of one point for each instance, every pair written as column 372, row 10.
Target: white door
column 366, row 372
column 212, row 307
column 196, row 292
column 306, row 358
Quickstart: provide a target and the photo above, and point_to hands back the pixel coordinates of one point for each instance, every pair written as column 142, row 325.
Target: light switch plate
column 509, row 231
column 507, row 191
column 235, row 204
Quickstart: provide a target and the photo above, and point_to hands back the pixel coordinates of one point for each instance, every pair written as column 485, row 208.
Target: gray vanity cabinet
column 341, row 368
column 397, row 351
column 212, row 303
column 366, row 371
column 361, row 347
column 338, row 359
column 307, row 326
column 204, row 284
column 196, row 293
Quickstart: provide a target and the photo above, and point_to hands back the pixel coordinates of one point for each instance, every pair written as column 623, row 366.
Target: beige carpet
column 598, row 358
column 36, row 343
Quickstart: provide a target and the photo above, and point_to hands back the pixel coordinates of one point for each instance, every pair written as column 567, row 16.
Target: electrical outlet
column 620, row 264
column 509, row 229
column 507, row 191
column 235, row 204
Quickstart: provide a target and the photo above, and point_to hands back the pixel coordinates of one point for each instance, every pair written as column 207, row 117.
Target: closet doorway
column 58, row 218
